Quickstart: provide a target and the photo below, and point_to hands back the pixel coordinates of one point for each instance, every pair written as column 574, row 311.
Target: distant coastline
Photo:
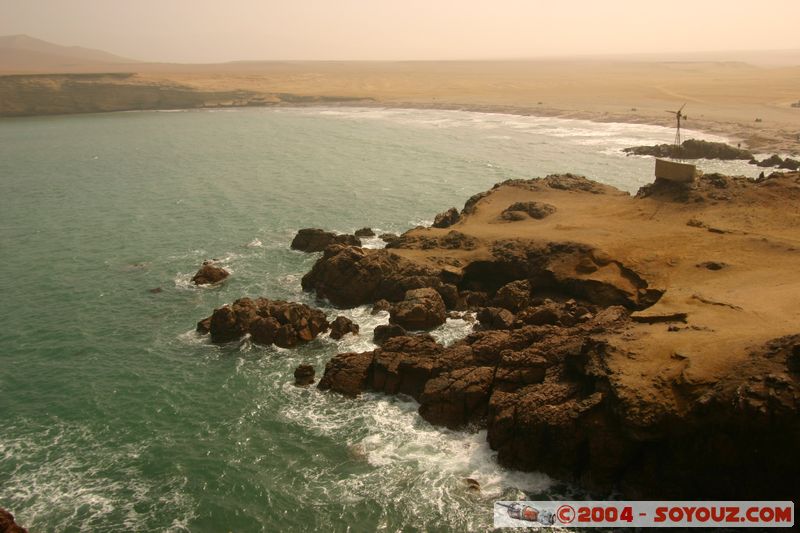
column 26, row 95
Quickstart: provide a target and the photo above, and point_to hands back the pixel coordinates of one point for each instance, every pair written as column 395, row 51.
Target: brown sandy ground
column 722, row 97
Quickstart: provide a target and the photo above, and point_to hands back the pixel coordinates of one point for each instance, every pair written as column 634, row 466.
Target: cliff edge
column 649, row 344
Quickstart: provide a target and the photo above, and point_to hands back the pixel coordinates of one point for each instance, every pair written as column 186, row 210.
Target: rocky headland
column 698, row 149
column 648, row 343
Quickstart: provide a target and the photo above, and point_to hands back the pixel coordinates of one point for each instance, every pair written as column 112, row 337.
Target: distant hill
column 25, row 54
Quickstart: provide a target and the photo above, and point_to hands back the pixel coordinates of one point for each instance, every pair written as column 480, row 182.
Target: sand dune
column 749, row 102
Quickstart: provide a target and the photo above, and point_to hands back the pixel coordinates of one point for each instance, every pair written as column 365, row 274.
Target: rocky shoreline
column 615, row 347
column 697, row 149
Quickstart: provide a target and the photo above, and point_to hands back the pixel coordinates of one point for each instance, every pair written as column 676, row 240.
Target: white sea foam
column 408, row 455
column 373, row 242
column 59, row 491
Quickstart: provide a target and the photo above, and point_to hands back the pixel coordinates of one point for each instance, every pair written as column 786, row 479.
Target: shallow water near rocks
column 115, row 415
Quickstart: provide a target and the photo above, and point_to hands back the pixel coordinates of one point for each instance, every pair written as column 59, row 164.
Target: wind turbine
column 678, row 115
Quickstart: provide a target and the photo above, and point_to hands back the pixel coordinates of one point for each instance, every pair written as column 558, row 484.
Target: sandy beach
column 745, row 103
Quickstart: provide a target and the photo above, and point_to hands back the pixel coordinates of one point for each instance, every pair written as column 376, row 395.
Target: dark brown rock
column 341, row 326
column 364, row 232
column 475, row 299
column 204, row 326
column 7, row 523
column 347, row 373
column 304, row 375
column 693, row 149
column 472, row 484
column 389, row 237
column 449, row 294
column 350, row 276
column 224, row 326
column 495, row 318
column 286, row 337
column 772, row 161
column 420, row 310
column 402, row 365
column 790, row 164
column 264, row 329
column 456, row 398
column 283, row 323
column 514, row 296
column 386, row 331
column 209, row 274
column 380, row 305
column 316, row 240
column 446, row 218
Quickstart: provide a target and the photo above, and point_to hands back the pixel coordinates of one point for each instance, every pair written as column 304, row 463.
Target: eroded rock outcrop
column 209, row 273
column 316, row 240
column 618, row 348
column 349, row 276
column 693, row 149
column 420, row 309
column 446, row 218
column 285, row 324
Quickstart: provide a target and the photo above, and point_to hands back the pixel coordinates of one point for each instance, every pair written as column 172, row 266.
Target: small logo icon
column 565, row 514
column 518, row 511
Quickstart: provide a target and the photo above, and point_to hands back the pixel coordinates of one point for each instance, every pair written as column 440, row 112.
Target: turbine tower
column 678, row 115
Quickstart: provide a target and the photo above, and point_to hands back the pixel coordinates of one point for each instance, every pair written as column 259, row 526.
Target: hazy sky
column 211, row 30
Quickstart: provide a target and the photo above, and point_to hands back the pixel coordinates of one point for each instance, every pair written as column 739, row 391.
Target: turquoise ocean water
column 116, row 416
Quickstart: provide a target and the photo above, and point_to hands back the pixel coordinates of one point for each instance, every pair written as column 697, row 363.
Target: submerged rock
column 284, row 324
column 304, row 375
column 472, row 484
column 316, row 240
column 209, row 273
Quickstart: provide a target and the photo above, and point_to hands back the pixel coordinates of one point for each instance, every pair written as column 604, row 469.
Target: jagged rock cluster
column 693, row 149
column 351, row 276
column 285, row 324
column 544, row 370
column 696, row 149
